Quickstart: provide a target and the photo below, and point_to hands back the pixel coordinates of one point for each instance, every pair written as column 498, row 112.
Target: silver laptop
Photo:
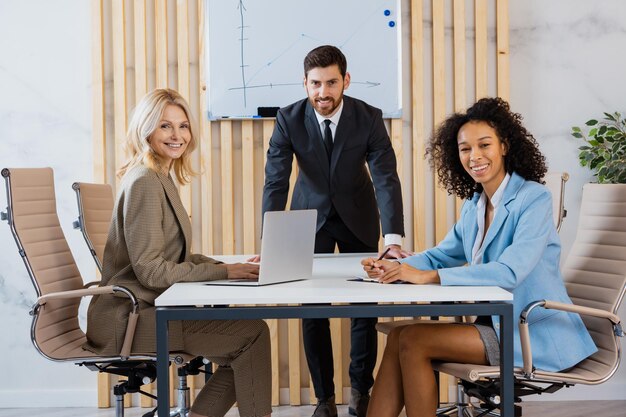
column 287, row 247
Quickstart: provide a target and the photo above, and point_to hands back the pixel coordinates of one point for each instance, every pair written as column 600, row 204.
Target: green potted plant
column 604, row 151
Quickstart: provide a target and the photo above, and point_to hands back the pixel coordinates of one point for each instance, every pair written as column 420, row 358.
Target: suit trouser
column 316, row 332
column 242, row 349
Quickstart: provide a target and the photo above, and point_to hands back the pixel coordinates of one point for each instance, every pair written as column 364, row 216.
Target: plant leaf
column 609, row 116
column 616, row 148
column 604, row 152
column 595, row 162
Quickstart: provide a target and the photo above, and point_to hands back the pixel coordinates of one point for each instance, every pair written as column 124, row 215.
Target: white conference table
column 319, row 297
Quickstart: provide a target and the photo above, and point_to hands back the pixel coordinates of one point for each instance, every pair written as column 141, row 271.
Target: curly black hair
column 523, row 155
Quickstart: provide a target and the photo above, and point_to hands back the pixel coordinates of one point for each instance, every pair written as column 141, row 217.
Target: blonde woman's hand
column 242, row 271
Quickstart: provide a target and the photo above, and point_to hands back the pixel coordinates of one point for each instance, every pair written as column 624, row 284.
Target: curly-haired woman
column 506, row 237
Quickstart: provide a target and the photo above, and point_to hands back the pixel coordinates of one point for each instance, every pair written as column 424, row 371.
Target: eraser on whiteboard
column 267, row 111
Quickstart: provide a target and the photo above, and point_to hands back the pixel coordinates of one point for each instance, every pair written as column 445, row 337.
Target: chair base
column 468, row 410
column 183, row 394
column 464, row 408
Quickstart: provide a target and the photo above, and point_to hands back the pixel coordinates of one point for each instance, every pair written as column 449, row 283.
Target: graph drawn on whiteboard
column 255, row 50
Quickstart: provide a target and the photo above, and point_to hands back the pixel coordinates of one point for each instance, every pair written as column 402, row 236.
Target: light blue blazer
column 521, row 255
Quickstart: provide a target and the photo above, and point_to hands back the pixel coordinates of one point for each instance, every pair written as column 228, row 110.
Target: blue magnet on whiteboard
column 392, row 23
column 387, row 12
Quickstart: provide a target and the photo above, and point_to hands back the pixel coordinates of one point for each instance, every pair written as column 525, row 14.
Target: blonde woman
column 148, row 249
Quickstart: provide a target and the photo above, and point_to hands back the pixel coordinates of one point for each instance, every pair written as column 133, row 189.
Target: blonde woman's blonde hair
column 143, row 122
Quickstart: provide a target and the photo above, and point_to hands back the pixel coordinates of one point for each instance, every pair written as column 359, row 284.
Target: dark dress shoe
column 326, row 408
column 358, row 403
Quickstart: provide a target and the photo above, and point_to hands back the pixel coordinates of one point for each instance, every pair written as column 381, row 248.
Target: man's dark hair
column 325, row 56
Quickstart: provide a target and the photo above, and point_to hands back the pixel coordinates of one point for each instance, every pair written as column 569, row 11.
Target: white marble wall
column 45, row 119
column 558, row 79
column 568, row 66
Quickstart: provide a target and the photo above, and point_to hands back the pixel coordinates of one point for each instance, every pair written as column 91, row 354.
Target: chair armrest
column 109, row 289
column 555, row 305
column 587, row 311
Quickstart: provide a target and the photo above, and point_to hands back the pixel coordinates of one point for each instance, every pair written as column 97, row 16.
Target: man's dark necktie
column 328, row 138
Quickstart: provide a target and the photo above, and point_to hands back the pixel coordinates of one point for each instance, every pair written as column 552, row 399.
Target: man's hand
column 245, row 271
column 396, row 252
column 255, row 259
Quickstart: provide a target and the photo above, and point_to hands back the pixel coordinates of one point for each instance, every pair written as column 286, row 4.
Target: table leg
column 163, row 380
column 506, row 361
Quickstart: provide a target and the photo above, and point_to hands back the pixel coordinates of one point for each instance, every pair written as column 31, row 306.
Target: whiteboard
column 255, row 50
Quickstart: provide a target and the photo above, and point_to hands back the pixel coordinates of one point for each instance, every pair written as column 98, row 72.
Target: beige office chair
column 555, row 181
column 595, row 278
column 55, row 331
column 95, row 208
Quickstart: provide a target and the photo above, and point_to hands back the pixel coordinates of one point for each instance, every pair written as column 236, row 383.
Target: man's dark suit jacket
column 345, row 183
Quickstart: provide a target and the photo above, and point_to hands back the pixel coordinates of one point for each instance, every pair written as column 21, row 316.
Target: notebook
column 287, row 247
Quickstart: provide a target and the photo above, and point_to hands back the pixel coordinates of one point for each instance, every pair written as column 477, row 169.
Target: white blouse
column 478, row 248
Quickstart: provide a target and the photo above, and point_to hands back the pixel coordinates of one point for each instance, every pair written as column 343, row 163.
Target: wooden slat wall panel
column 481, row 61
column 182, row 49
column 273, row 327
column 182, row 38
column 460, row 94
column 206, row 146
column 119, row 89
column 160, row 31
column 312, row 399
column 99, row 140
column 99, row 130
column 228, row 223
column 119, row 79
column 267, row 127
column 502, row 44
column 247, row 166
column 417, row 125
column 335, row 335
column 439, row 106
column 439, row 113
column 293, row 340
column 229, row 150
column 141, row 53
